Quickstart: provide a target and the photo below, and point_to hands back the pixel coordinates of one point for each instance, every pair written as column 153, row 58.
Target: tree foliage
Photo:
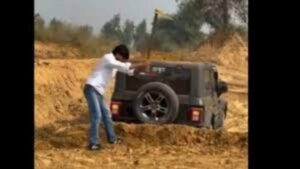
column 180, row 30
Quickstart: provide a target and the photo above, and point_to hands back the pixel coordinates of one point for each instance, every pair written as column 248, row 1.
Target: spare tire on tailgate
column 157, row 103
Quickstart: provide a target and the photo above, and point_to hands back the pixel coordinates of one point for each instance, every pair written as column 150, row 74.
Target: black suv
column 171, row 92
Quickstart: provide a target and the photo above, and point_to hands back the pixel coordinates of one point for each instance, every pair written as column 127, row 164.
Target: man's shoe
column 94, row 147
column 117, row 141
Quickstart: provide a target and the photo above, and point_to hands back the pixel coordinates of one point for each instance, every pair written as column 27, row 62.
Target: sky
column 96, row 12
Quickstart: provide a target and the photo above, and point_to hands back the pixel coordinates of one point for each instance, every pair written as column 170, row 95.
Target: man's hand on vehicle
column 141, row 66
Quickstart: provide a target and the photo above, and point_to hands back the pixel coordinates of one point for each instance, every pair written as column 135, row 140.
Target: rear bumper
column 127, row 115
column 134, row 120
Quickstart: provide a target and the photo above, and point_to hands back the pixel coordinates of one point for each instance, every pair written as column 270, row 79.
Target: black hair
column 121, row 50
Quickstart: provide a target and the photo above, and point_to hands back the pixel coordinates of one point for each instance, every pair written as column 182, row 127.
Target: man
column 95, row 87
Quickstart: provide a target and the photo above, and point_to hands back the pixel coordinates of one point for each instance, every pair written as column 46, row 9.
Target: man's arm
column 120, row 66
column 140, row 66
column 131, row 67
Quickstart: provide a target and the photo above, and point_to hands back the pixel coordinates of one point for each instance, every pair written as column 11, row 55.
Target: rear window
column 177, row 78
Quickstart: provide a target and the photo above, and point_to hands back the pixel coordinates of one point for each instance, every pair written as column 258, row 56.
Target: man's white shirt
column 105, row 70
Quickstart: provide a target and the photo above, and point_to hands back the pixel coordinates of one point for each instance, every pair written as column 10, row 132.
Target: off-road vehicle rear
column 171, row 92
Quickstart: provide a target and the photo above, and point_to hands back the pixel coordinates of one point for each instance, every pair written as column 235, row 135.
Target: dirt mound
column 178, row 135
column 233, row 68
column 59, row 89
column 232, row 62
column 61, row 134
column 52, row 50
column 234, row 54
column 62, row 145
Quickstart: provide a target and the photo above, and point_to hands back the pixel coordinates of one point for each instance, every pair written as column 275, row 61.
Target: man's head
column 121, row 52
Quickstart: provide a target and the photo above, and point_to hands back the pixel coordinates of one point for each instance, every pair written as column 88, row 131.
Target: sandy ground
column 144, row 146
column 61, row 120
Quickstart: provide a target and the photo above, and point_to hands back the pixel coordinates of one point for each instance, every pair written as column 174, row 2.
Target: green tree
column 84, row 32
column 55, row 25
column 39, row 22
column 39, row 27
column 240, row 8
column 184, row 31
column 127, row 33
column 112, row 29
column 141, row 37
column 56, row 31
column 217, row 13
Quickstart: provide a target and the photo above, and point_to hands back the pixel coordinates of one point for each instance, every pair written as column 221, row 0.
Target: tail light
column 196, row 114
column 115, row 108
